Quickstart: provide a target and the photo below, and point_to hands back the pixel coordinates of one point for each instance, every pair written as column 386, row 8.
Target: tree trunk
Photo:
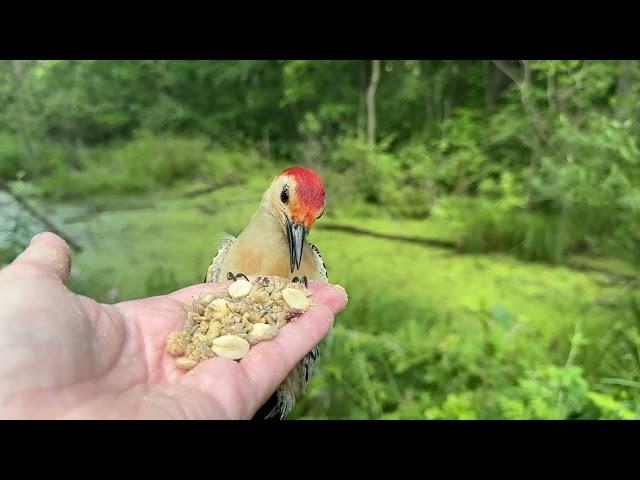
column 429, row 107
column 623, row 88
column 449, row 87
column 489, row 85
column 371, row 101
column 460, row 75
column 362, row 87
column 536, row 120
column 438, row 92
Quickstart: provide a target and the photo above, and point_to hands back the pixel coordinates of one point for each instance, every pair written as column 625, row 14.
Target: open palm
column 64, row 355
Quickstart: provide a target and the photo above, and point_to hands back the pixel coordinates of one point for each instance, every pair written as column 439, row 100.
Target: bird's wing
column 213, row 274
column 322, row 268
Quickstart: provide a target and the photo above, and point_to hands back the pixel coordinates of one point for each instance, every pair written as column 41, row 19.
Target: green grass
column 428, row 333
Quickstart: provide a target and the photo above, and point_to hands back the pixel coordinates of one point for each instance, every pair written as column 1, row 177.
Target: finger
column 49, row 254
column 333, row 296
column 268, row 363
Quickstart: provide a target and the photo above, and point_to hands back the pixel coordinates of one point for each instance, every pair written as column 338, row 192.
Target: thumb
column 48, row 253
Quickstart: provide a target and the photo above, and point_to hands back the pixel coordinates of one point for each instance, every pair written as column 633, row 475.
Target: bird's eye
column 284, row 196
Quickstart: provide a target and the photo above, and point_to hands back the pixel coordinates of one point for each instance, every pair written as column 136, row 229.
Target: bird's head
column 296, row 196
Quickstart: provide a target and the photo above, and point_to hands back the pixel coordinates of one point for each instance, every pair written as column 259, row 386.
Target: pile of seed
column 228, row 324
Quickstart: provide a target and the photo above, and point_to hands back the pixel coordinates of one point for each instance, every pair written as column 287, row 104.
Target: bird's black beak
column 295, row 238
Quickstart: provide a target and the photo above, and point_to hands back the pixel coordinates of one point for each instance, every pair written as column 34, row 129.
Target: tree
column 371, row 101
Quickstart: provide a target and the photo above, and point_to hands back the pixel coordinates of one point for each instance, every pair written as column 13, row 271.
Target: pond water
column 17, row 225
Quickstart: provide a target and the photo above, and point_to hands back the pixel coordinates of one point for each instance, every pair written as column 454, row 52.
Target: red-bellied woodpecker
column 273, row 244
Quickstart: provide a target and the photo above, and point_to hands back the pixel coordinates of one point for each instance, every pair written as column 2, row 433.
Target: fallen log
column 49, row 225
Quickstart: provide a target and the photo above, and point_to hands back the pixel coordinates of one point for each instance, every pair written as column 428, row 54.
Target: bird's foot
column 301, row 280
column 231, row 276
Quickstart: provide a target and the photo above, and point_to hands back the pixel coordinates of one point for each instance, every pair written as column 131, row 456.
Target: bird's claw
column 301, row 280
column 231, row 276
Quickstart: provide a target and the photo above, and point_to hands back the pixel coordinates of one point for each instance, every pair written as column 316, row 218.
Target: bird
column 274, row 243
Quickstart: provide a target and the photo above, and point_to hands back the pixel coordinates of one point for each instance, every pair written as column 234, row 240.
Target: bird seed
column 228, row 324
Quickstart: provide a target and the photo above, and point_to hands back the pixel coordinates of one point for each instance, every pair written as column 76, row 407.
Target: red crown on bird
column 308, row 193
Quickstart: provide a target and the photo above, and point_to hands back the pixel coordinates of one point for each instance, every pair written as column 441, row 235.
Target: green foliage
column 421, row 363
column 610, row 408
column 461, row 161
column 562, row 133
column 161, row 281
column 11, row 156
column 546, row 393
column 531, row 236
column 148, row 162
column 399, row 182
column 41, row 159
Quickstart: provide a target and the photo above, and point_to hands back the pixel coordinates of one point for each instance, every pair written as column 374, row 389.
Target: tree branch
column 47, row 223
column 524, row 87
column 551, row 76
column 507, row 71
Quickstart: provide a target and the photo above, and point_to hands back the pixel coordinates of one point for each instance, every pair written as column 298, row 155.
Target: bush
column 530, row 236
column 148, row 162
column 12, row 154
column 387, row 358
column 399, row 182
column 16, row 161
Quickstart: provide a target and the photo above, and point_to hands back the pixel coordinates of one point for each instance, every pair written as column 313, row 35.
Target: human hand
column 63, row 355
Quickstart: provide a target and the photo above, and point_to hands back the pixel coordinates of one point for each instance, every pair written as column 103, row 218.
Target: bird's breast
column 263, row 258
